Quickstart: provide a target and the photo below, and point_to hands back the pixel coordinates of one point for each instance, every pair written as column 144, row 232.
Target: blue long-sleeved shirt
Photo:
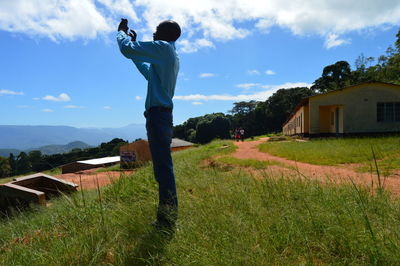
column 159, row 64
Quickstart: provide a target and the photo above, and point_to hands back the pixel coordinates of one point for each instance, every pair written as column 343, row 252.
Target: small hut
column 134, row 154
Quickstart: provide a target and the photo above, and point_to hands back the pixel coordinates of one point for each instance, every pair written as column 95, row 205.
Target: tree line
column 261, row 117
column 35, row 161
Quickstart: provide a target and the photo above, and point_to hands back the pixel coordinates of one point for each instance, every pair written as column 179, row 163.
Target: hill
column 57, row 149
column 48, row 149
column 30, row 137
column 6, row 152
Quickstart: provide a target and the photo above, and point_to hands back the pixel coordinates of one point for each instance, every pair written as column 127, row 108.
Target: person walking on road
column 241, row 132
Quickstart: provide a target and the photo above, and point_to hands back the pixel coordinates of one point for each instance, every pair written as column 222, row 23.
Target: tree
column 243, row 116
column 13, row 164
column 185, row 131
column 333, row 77
column 5, row 169
column 243, row 108
column 36, row 161
column 279, row 106
column 23, row 163
column 179, row 131
column 213, row 126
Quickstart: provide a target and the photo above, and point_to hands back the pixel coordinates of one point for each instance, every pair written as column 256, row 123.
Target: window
column 388, row 112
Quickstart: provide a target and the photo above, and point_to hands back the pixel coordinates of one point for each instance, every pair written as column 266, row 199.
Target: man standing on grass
column 158, row 62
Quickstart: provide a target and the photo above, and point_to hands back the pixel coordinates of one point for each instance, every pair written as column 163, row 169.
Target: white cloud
column 270, row 72
column 219, row 20
column 63, row 97
column 264, row 25
column 197, row 103
column 36, row 98
column 332, row 41
column 253, row 72
column 120, row 7
column 55, row 19
column 47, row 110
column 193, row 46
column 259, row 96
column 73, row 107
column 107, row 107
column 9, row 92
column 247, row 86
column 138, row 98
column 203, row 22
column 207, row 75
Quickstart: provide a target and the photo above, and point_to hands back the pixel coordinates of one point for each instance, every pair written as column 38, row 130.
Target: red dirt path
column 337, row 174
column 88, row 179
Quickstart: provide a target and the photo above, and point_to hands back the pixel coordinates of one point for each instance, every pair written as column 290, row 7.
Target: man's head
column 168, row 30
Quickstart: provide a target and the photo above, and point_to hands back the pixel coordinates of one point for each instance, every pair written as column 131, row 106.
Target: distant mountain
column 48, row 149
column 31, row 137
column 54, row 149
column 6, row 152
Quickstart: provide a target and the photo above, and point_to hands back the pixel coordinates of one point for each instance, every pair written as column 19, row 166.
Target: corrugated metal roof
column 100, row 161
column 180, row 143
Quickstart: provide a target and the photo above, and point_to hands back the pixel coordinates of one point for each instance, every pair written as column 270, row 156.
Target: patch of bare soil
column 337, row 174
column 88, row 179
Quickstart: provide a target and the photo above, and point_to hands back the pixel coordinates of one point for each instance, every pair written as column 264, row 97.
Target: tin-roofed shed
column 180, row 144
column 89, row 164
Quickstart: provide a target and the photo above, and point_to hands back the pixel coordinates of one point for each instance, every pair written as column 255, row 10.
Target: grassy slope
column 226, row 217
column 340, row 151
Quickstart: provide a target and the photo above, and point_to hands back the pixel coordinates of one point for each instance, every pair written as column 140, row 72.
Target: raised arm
column 149, row 52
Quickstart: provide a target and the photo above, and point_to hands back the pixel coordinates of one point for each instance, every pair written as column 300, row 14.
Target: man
column 158, row 62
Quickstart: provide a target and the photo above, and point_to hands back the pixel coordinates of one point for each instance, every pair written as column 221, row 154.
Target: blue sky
column 60, row 65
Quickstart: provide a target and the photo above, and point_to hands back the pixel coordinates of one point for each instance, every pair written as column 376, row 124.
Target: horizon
column 61, row 60
column 56, row 125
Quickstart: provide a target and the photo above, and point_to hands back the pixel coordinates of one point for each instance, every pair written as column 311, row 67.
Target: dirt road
column 88, row 179
column 337, row 174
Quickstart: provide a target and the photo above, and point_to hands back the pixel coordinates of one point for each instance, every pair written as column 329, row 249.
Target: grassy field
column 341, row 151
column 226, row 217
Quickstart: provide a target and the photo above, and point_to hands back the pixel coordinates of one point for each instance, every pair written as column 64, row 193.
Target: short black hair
column 169, row 31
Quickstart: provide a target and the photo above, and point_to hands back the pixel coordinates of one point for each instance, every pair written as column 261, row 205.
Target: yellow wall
column 327, row 118
column 357, row 109
column 298, row 123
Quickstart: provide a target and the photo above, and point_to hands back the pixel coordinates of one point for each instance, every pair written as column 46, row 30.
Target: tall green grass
column 225, row 218
column 341, row 151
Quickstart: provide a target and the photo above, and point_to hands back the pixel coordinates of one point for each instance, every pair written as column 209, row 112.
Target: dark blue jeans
column 159, row 134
